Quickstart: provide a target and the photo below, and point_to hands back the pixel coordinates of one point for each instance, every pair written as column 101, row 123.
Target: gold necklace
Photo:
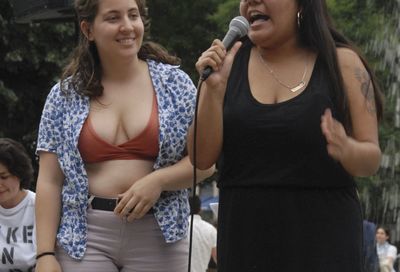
column 292, row 89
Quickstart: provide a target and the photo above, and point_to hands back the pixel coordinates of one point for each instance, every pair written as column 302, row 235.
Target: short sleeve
column 392, row 252
column 50, row 127
column 188, row 91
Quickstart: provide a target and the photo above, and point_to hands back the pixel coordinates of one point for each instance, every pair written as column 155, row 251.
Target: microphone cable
column 194, row 163
column 238, row 28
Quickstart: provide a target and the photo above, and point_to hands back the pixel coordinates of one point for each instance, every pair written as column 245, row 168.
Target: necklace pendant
column 298, row 87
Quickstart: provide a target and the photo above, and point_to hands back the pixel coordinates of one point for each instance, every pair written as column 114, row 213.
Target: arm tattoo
column 367, row 89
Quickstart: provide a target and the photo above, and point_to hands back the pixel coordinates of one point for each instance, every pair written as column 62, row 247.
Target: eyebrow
column 117, row 11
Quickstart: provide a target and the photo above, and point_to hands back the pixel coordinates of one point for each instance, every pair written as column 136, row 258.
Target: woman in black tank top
column 291, row 114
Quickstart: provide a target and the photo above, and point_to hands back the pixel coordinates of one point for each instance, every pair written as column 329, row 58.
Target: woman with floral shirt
column 111, row 188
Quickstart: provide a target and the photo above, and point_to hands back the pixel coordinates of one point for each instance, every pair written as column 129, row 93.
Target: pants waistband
column 107, row 204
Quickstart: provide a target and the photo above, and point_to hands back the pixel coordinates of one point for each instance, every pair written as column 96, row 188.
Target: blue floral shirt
column 61, row 122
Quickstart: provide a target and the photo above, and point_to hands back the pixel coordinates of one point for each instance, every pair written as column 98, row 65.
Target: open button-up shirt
column 63, row 116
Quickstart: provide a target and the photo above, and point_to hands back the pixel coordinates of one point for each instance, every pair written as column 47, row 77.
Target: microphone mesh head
column 240, row 24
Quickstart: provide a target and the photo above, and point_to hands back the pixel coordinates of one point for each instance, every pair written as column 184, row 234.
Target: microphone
column 238, row 28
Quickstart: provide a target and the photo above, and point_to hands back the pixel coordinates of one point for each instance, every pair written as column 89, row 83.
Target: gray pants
column 117, row 245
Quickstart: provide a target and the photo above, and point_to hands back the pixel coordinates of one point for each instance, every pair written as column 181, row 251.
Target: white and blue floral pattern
column 62, row 119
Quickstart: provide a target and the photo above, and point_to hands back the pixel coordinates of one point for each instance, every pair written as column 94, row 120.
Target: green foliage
column 224, row 14
column 183, row 28
column 32, row 56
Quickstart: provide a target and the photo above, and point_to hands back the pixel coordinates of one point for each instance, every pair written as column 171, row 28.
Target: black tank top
column 277, row 145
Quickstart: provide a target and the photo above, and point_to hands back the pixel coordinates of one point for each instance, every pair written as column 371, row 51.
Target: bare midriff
column 111, row 178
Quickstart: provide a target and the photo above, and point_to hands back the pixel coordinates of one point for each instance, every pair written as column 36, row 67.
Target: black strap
column 45, row 253
column 194, row 170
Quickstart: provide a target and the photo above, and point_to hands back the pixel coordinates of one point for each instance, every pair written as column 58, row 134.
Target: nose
column 126, row 25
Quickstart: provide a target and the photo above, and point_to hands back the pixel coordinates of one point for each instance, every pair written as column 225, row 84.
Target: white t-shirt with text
column 18, row 237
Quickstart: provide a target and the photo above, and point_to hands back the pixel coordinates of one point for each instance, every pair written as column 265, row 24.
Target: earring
column 299, row 18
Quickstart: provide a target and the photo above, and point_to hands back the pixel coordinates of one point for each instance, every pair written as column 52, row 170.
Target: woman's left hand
column 139, row 198
column 335, row 135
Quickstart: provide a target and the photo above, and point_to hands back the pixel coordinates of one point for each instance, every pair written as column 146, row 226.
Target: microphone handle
column 228, row 41
column 206, row 73
column 230, row 38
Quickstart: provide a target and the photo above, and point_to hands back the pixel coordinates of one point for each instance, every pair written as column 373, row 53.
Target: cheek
column 140, row 27
column 242, row 10
column 14, row 188
column 9, row 188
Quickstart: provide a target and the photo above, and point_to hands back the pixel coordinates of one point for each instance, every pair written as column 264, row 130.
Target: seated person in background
column 204, row 238
column 17, row 208
column 386, row 252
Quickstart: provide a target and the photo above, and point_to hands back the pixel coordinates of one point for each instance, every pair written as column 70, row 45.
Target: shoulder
column 207, row 225
column 161, row 68
column 167, row 71
column 171, row 80
column 62, row 90
column 349, row 61
column 55, row 92
column 392, row 247
column 345, row 52
column 354, row 73
column 31, row 197
column 55, row 102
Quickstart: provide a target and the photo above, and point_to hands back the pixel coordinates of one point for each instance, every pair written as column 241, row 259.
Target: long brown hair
column 84, row 69
column 318, row 32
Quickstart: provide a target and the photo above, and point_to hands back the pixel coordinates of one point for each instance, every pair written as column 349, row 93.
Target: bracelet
column 45, row 253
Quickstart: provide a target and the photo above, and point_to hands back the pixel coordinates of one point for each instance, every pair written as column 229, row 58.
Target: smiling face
column 117, row 29
column 10, row 192
column 272, row 22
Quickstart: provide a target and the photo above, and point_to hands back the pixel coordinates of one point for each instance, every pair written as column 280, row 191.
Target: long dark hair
column 318, row 33
column 84, row 68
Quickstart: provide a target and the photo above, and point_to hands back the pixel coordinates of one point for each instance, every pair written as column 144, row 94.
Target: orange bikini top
column 143, row 147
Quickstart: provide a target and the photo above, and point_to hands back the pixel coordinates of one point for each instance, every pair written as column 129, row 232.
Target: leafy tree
column 183, row 28
column 32, row 56
column 224, row 14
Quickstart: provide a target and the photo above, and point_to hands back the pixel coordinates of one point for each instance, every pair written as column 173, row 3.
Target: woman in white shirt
column 386, row 252
column 17, row 208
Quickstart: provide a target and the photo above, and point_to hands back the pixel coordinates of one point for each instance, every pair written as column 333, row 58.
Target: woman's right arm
column 47, row 210
column 209, row 120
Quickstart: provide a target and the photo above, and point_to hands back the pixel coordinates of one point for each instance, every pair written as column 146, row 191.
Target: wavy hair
column 84, row 69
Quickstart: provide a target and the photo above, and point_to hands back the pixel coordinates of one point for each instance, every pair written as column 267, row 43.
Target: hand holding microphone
column 216, row 55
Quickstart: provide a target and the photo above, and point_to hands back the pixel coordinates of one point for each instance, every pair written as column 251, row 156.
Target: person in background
column 17, row 208
column 204, row 238
column 291, row 114
column 113, row 172
column 387, row 253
